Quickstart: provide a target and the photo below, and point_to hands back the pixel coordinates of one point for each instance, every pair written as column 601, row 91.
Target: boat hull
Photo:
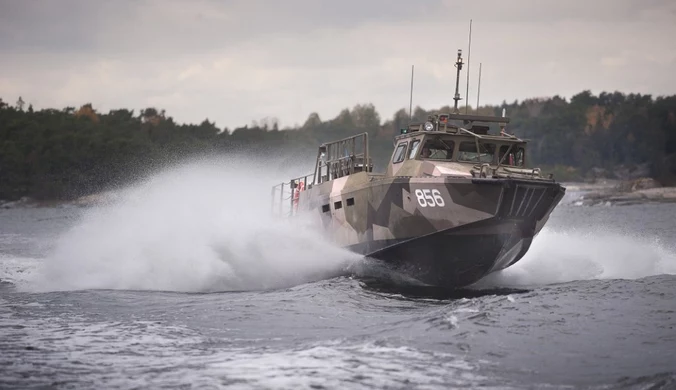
column 455, row 257
column 446, row 232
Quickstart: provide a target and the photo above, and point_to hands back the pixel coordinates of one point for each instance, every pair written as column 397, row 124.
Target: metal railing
column 342, row 158
column 285, row 196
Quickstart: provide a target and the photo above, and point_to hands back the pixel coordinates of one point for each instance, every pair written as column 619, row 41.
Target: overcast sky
column 235, row 61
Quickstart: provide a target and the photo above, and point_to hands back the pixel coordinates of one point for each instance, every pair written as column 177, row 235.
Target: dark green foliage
column 597, row 131
column 60, row 154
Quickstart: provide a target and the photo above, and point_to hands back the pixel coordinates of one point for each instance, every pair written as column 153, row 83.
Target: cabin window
column 325, row 208
column 400, row 153
column 438, row 149
column 413, row 149
column 515, row 157
column 468, row 152
column 350, row 201
column 338, row 205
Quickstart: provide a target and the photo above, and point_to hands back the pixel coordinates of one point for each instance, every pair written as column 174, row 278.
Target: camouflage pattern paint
column 442, row 222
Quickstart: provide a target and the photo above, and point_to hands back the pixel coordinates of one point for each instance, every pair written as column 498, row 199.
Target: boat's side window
column 514, row 158
column 413, row 149
column 520, row 157
column 400, row 153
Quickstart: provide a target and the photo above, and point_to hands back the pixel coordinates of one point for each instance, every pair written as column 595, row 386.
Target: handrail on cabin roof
column 478, row 118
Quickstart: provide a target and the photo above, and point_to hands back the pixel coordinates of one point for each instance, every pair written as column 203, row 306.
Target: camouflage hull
column 441, row 231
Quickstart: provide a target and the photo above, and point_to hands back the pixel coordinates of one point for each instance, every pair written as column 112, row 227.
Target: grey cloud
column 543, row 12
column 170, row 28
column 65, row 26
column 166, row 26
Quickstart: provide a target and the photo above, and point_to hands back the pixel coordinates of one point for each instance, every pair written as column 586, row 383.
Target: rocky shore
column 623, row 192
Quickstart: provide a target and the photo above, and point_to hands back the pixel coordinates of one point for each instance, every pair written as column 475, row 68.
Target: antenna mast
column 410, row 104
column 469, row 54
column 458, row 64
column 478, row 91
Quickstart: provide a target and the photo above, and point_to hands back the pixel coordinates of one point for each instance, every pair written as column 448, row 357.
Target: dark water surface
column 593, row 305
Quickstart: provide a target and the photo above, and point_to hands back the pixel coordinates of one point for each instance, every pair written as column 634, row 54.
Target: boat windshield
column 468, row 152
column 437, row 149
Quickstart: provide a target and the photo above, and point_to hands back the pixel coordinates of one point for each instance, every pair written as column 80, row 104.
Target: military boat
column 455, row 203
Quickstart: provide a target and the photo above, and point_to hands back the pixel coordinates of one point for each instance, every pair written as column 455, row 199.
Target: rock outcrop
column 642, row 190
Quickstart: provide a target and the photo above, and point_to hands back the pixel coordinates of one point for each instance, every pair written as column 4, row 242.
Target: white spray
column 204, row 226
column 558, row 257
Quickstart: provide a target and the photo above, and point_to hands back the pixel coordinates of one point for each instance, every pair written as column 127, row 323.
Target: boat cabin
column 439, row 140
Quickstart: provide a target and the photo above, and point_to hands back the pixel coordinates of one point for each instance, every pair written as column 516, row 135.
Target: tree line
column 70, row 152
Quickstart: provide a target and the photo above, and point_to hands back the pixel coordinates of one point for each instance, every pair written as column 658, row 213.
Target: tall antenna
column 478, row 91
column 410, row 104
column 469, row 53
column 458, row 64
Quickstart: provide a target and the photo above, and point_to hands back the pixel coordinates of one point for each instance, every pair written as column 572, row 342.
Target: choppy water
column 141, row 294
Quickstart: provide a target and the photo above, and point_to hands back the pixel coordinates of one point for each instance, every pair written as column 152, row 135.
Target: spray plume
column 203, row 226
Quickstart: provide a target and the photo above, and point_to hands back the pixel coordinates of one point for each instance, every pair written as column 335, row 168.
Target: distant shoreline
column 96, row 199
column 621, row 192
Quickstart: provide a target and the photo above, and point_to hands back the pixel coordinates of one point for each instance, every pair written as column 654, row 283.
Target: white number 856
column 429, row 198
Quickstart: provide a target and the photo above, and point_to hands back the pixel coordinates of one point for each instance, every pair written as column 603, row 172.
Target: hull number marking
column 429, row 198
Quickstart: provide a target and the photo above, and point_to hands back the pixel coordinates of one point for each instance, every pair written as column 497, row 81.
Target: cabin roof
column 462, row 134
column 441, row 123
column 473, row 118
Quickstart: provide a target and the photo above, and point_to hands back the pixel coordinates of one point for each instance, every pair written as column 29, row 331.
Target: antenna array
column 469, row 54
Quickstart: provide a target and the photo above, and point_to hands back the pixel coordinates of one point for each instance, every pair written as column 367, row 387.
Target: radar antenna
column 410, row 104
column 478, row 91
column 469, row 54
column 458, row 64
